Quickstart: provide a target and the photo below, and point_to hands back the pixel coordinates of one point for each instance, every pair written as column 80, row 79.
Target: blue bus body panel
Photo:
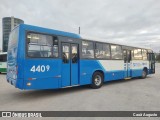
column 88, row 67
column 70, row 74
column 75, row 74
column 137, row 72
column 66, row 74
column 114, row 75
column 42, row 73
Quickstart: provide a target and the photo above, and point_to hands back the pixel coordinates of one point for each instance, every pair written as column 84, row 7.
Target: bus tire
column 97, row 80
column 144, row 74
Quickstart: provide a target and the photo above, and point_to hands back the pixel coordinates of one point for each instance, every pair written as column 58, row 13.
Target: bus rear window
column 13, row 38
column 41, row 46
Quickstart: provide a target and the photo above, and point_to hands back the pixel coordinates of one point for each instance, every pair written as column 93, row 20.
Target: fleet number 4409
column 40, row 68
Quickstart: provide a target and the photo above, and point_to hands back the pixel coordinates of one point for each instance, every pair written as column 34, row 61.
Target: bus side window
column 116, row 52
column 65, row 54
column 137, row 55
column 87, row 49
column 42, row 46
column 102, row 51
column 55, row 47
column 125, row 56
column 74, row 54
column 144, row 54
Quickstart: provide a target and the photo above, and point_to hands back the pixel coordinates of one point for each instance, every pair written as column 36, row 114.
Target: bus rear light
column 28, row 84
column 32, row 78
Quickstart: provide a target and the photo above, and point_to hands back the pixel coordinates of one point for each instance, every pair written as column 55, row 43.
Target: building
column 8, row 23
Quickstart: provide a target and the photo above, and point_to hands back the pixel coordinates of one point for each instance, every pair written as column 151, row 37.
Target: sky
column 128, row 22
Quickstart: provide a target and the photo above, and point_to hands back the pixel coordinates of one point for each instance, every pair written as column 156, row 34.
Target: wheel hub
column 98, row 80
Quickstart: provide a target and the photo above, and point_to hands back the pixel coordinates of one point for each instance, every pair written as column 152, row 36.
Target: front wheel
column 144, row 74
column 97, row 80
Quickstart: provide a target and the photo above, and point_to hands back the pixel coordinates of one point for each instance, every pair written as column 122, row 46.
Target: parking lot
column 135, row 94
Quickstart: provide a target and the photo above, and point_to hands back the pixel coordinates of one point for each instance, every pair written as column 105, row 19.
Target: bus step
column 71, row 86
column 128, row 78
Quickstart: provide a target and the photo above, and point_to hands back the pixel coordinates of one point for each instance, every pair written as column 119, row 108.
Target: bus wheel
column 144, row 74
column 97, row 80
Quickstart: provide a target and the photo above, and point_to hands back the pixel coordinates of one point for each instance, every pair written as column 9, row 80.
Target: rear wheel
column 97, row 80
column 144, row 74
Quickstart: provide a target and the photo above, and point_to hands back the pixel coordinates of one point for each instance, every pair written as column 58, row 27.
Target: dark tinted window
column 3, row 58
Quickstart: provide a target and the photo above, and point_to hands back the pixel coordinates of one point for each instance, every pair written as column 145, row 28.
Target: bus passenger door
column 127, row 60
column 151, row 58
column 70, row 64
column 74, row 64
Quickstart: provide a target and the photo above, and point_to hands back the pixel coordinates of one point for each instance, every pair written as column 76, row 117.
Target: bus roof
column 49, row 31
column 68, row 34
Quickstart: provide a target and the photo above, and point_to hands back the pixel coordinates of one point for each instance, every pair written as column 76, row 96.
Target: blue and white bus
column 40, row 58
